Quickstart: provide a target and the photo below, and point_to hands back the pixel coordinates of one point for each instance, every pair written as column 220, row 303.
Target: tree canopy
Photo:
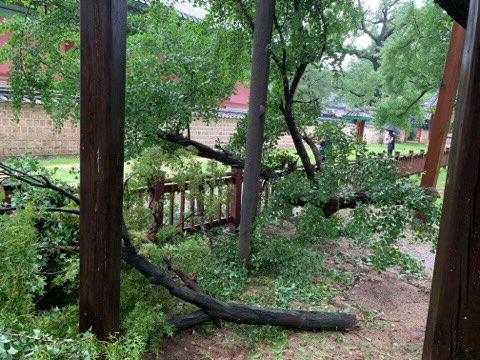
column 412, row 63
column 177, row 69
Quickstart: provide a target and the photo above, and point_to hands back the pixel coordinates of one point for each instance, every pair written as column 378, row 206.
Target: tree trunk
column 298, row 142
column 265, row 11
column 316, row 153
column 233, row 312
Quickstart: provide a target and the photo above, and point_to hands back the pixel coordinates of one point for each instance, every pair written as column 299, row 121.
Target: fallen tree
column 210, row 309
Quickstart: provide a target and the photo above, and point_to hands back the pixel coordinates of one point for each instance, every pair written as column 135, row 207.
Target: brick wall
column 222, row 130
column 34, row 134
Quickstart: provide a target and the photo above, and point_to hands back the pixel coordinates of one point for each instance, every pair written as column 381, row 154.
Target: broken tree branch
column 219, row 310
column 239, row 313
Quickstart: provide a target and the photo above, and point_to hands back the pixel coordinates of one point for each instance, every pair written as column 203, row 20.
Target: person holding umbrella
column 390, row 140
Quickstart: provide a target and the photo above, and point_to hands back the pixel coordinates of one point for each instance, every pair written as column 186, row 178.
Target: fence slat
column 182, row 211
column 171, row 209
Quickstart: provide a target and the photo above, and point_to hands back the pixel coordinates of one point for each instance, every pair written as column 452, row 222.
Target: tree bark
column 298, row 142
column 212, row 154
column 316, row 153
column 236, row 313
column 203, row 150
column 265, row 10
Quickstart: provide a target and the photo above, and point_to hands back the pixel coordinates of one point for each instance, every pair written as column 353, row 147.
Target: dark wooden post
column 360, row 129
column 446, row 100
column 157, row 205
column 453, row 324
column 236, row 203
column 103, row 41
column 265, row 11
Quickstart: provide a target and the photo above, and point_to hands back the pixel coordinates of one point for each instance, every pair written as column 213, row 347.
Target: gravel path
column 421, row 252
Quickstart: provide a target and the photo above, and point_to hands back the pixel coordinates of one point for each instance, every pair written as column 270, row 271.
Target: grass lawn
column 442, row 180
column 67, row 168
column 65, row 164
column 403, row 148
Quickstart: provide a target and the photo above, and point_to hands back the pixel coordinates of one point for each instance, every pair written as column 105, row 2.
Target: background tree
column 412, row 62
column 177, row 69
column 306, row 33
column 360, row 84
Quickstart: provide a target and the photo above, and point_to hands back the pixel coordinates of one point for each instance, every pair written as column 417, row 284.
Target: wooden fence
column 171, row 204
column 414, row 164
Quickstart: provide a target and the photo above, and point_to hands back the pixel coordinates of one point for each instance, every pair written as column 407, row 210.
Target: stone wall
column 34, row 134
column 223, row 130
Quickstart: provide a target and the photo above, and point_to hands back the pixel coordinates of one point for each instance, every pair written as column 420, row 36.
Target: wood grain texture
column 454, row 317
column 444, row 110
column 103, row 53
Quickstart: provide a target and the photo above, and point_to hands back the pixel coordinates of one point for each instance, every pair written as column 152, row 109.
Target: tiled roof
column 5, row 96
column 228, row 113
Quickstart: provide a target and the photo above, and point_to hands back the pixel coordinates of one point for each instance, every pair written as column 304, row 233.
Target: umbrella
column 392, row 128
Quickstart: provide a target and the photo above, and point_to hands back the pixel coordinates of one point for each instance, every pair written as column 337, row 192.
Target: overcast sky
column 186, row 7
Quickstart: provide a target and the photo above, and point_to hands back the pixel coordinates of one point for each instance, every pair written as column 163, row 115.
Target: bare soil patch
column 392, row 311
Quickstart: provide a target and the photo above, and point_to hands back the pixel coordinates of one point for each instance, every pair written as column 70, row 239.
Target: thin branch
column 243, row 9
column 11, row 209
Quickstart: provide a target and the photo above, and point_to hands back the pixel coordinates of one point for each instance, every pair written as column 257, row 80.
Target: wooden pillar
column 103, row 42
column 453, row 323
column 360, row 129
column 446, row 100
column 264, row 13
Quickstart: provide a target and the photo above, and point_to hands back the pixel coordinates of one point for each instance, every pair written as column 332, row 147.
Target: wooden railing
column 414, row 164
column 175, row 205
column 171, row 204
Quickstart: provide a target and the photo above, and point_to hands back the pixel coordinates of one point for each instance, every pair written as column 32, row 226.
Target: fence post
column 236, row 204
column 157, row 207
column 6, row 191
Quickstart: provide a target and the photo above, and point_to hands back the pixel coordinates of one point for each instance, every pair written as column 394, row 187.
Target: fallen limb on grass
column 211, row 309
column 232, row 312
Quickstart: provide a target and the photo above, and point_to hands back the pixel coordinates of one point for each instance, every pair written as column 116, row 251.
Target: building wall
column 35, row 135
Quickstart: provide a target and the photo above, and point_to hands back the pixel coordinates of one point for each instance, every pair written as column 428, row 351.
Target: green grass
column 65, row 164
column 402, row 148
column 66, row 168
column 442, row 180
column 61, row 160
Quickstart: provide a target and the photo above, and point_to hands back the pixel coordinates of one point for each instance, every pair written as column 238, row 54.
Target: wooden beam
column 443, row 113
column 457, row 9
column 265, row 11
column 454, row 317
column 103, row 43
